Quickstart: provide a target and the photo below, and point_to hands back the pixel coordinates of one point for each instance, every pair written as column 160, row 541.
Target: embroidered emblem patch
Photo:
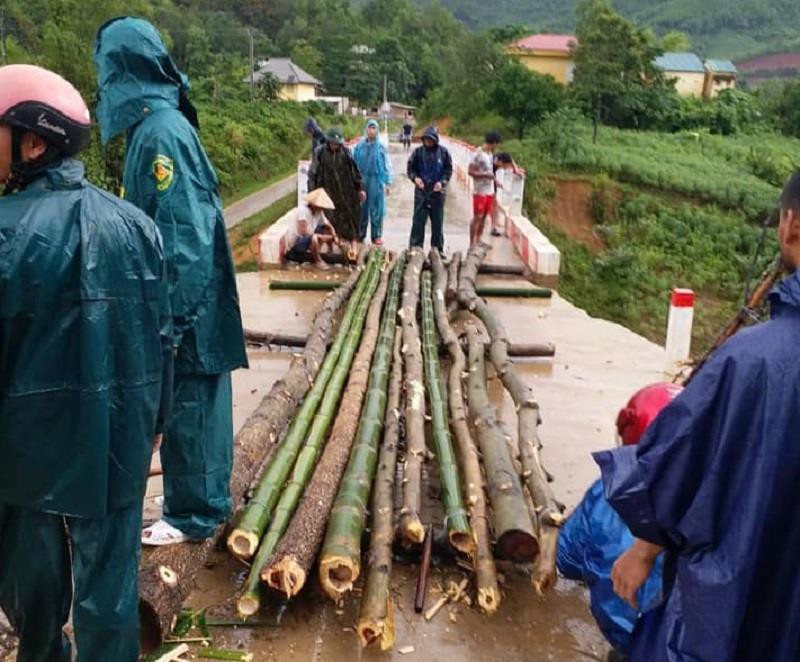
column 163, row 171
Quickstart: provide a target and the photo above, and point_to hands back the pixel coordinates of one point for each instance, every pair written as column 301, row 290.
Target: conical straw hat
column 319, row 198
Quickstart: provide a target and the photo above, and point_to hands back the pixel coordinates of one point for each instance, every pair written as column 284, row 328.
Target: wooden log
column 369, row 306
column 340, row 559
column 304, row 285
column 167, row 574
column 474, row 484
column 451, row 289
column 513, row 528
column 290, row 566
column 376, row 614
column 424, row 572
column 261, row 338
column 531, row 350
column 411, row 528
column 548, row 510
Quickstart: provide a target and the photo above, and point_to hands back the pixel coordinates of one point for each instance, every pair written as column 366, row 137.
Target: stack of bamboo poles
column 335, row 472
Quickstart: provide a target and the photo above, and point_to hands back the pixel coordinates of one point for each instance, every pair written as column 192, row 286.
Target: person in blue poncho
column 594, row 535
column 85, row 366
column 168, row 175
column 714, row 483
column 372, row 159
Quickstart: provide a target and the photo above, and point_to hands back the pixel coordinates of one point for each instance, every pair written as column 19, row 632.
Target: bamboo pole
column 304, row 285
column 244, row 539
column 458, row 529
column 167, row 574
column 513, row 528
column 548, row 510
column 474, row 484
column 249, row 601
column 340, row 559
column 288, row 570
column 376, row 615
column 497, row 291
column 411, row 528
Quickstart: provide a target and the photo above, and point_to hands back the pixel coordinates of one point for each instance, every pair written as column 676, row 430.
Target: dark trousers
column 197, row 455
column 428, row 205
column 49, row 563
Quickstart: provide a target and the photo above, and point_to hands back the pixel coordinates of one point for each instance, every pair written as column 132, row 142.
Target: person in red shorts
column 481, row 169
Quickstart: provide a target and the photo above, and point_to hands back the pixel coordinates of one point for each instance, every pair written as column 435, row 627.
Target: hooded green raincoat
column 169, row 176
column 84, row 339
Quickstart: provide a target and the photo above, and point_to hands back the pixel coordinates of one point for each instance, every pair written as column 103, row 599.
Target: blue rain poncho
column 372, row 159
column 715, row 482
column 591, row 541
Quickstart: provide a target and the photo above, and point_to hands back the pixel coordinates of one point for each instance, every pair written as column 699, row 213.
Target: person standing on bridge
column 484, row 179
column 714, row 485
column 372, row 159
column 334, row 169
column 430, row 168
column 168, row 175
column 85, row 365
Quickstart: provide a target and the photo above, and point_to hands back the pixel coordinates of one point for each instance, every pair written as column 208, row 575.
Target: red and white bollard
column 679, row 332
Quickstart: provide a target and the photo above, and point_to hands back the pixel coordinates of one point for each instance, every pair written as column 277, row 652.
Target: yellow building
column 296, row 84
column 547, row 54
column 687, row 70
column 720, row 75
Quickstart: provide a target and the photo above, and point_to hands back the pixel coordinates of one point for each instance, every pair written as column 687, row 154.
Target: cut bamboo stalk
column 474, row 485
column 502, row 269
column 548, row 510
column 244, row 539
column 376, row 615
column 304, row 285
column 249, row 601
column 410, row 526
column 497, row 291
column 456, row 520
column 340, row 559
column 289, row 568
column 513, row 527
column 167, row 574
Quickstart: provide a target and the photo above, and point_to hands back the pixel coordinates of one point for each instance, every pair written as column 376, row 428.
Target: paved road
column 258, row 201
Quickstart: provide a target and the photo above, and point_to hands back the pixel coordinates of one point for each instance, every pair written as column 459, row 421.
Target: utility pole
column 252, row 66
column 3, row 51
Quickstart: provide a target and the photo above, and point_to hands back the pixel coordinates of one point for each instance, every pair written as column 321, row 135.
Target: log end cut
column 373, row 632
column 288, row 577
column 462, row 541
column 248, row 604
column 337, row 574
column 489, row 600
column 518, row 546
column 243, row 544
column 411, row 528
column 544, row 572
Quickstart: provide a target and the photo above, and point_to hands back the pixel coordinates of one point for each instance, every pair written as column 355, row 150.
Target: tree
column 615, row 74
column 307, row 57
column 789, row 109
column 675, row 42
column 508, row 33
column 524, row 96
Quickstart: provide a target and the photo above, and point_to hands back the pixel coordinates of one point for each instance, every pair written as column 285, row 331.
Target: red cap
column 682, row 298
column 642, row 410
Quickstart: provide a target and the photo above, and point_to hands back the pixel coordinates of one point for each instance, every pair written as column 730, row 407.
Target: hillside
column 721, row 28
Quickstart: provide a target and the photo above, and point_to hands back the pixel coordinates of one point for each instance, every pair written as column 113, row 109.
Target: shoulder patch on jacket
column 163, row 171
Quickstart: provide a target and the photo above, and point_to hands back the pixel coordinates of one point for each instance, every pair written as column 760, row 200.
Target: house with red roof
column 547, row 54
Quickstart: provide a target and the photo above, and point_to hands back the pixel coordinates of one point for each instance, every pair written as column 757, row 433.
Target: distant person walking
column 408, row 130
column 482, row 171
column 334, row 169
column 430, row 168
column 372, row 159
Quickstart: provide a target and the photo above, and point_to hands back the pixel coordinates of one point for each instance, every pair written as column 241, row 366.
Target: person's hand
column 420, row 184
column 632, row 569
column 437, row 187
column 498, row 183
column 362, row 195
column 388, row 190
column 157, row 441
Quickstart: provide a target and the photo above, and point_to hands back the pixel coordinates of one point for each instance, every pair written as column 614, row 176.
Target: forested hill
column 723, row 28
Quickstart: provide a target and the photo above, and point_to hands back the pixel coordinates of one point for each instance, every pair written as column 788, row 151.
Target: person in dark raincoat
column 594, row 536
column 715, row 484
column 84, row 350
column 430, row 168
column 313, row 129
column 334, row 169
column 372, row 159
column 168, row 175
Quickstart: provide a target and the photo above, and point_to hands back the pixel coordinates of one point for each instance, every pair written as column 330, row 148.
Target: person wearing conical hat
column 312, row 231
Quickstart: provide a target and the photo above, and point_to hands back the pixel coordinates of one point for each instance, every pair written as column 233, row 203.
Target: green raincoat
column 84, row 339
column 168, row 176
